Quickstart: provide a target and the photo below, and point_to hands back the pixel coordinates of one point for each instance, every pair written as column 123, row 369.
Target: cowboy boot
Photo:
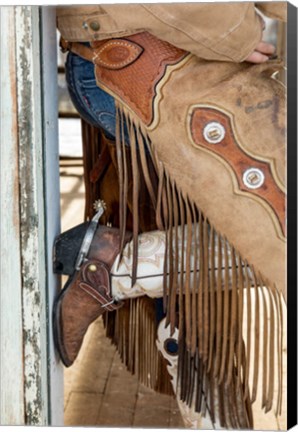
column 87, row 293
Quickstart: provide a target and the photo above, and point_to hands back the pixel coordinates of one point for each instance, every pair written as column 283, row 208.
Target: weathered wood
column 32, row 215
column 11, row 337
column 30, row 391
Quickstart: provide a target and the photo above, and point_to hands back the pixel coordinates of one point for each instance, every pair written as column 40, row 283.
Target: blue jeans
column 93, row 104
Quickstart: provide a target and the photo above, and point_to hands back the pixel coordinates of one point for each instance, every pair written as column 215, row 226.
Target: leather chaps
column 207, row 150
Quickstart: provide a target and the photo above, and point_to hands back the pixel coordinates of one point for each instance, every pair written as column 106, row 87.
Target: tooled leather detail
column 230, row 151
column 117, row 54
column 95, row 281
column 136, row 83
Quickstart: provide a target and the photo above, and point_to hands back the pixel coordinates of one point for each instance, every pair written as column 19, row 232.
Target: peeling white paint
column 32, row 214
column 27, row 292
column 11, row 338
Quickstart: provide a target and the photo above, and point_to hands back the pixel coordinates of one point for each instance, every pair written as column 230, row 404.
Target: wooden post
column 11, row 348
column 29, row 371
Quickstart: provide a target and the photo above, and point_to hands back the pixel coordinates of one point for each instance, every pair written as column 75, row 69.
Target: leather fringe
column 92, row 151
column 223, row 311
column 133, row 329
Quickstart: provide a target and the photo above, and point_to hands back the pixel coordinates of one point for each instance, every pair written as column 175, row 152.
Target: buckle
column 114, row 303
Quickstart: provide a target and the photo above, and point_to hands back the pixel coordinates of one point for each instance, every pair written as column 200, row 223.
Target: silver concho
column 214, row 132
column 253, row 178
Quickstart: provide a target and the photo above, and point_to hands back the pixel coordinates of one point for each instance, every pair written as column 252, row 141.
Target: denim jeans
column 93, row 104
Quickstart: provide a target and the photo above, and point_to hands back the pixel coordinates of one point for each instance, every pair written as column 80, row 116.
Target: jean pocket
column 88, row 83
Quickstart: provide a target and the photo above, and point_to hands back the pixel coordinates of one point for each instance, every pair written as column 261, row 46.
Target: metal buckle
column 109, row 303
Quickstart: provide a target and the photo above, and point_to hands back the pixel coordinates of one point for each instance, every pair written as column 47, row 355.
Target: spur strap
column 94, row 279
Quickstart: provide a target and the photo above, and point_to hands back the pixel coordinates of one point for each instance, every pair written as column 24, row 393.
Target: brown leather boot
column 86, row 295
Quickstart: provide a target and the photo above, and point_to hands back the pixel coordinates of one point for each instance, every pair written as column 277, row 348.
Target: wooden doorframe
column 31, row 375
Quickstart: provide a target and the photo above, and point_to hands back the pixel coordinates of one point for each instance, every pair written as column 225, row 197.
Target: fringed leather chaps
column 207, row 148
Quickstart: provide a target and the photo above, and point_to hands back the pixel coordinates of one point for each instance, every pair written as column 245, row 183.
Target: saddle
column 206, row 155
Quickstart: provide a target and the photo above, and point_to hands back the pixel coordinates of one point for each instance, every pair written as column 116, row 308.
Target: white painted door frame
column 31, row 377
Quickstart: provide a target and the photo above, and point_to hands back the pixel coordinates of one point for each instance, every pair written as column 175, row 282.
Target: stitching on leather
column 122, row 43
column 92, row 292
column 160, row 72
column 169, row 56
column 260, row 194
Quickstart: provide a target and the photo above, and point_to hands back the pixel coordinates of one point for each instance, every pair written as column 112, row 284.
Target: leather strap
column 77, row 48
column 95, row 280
